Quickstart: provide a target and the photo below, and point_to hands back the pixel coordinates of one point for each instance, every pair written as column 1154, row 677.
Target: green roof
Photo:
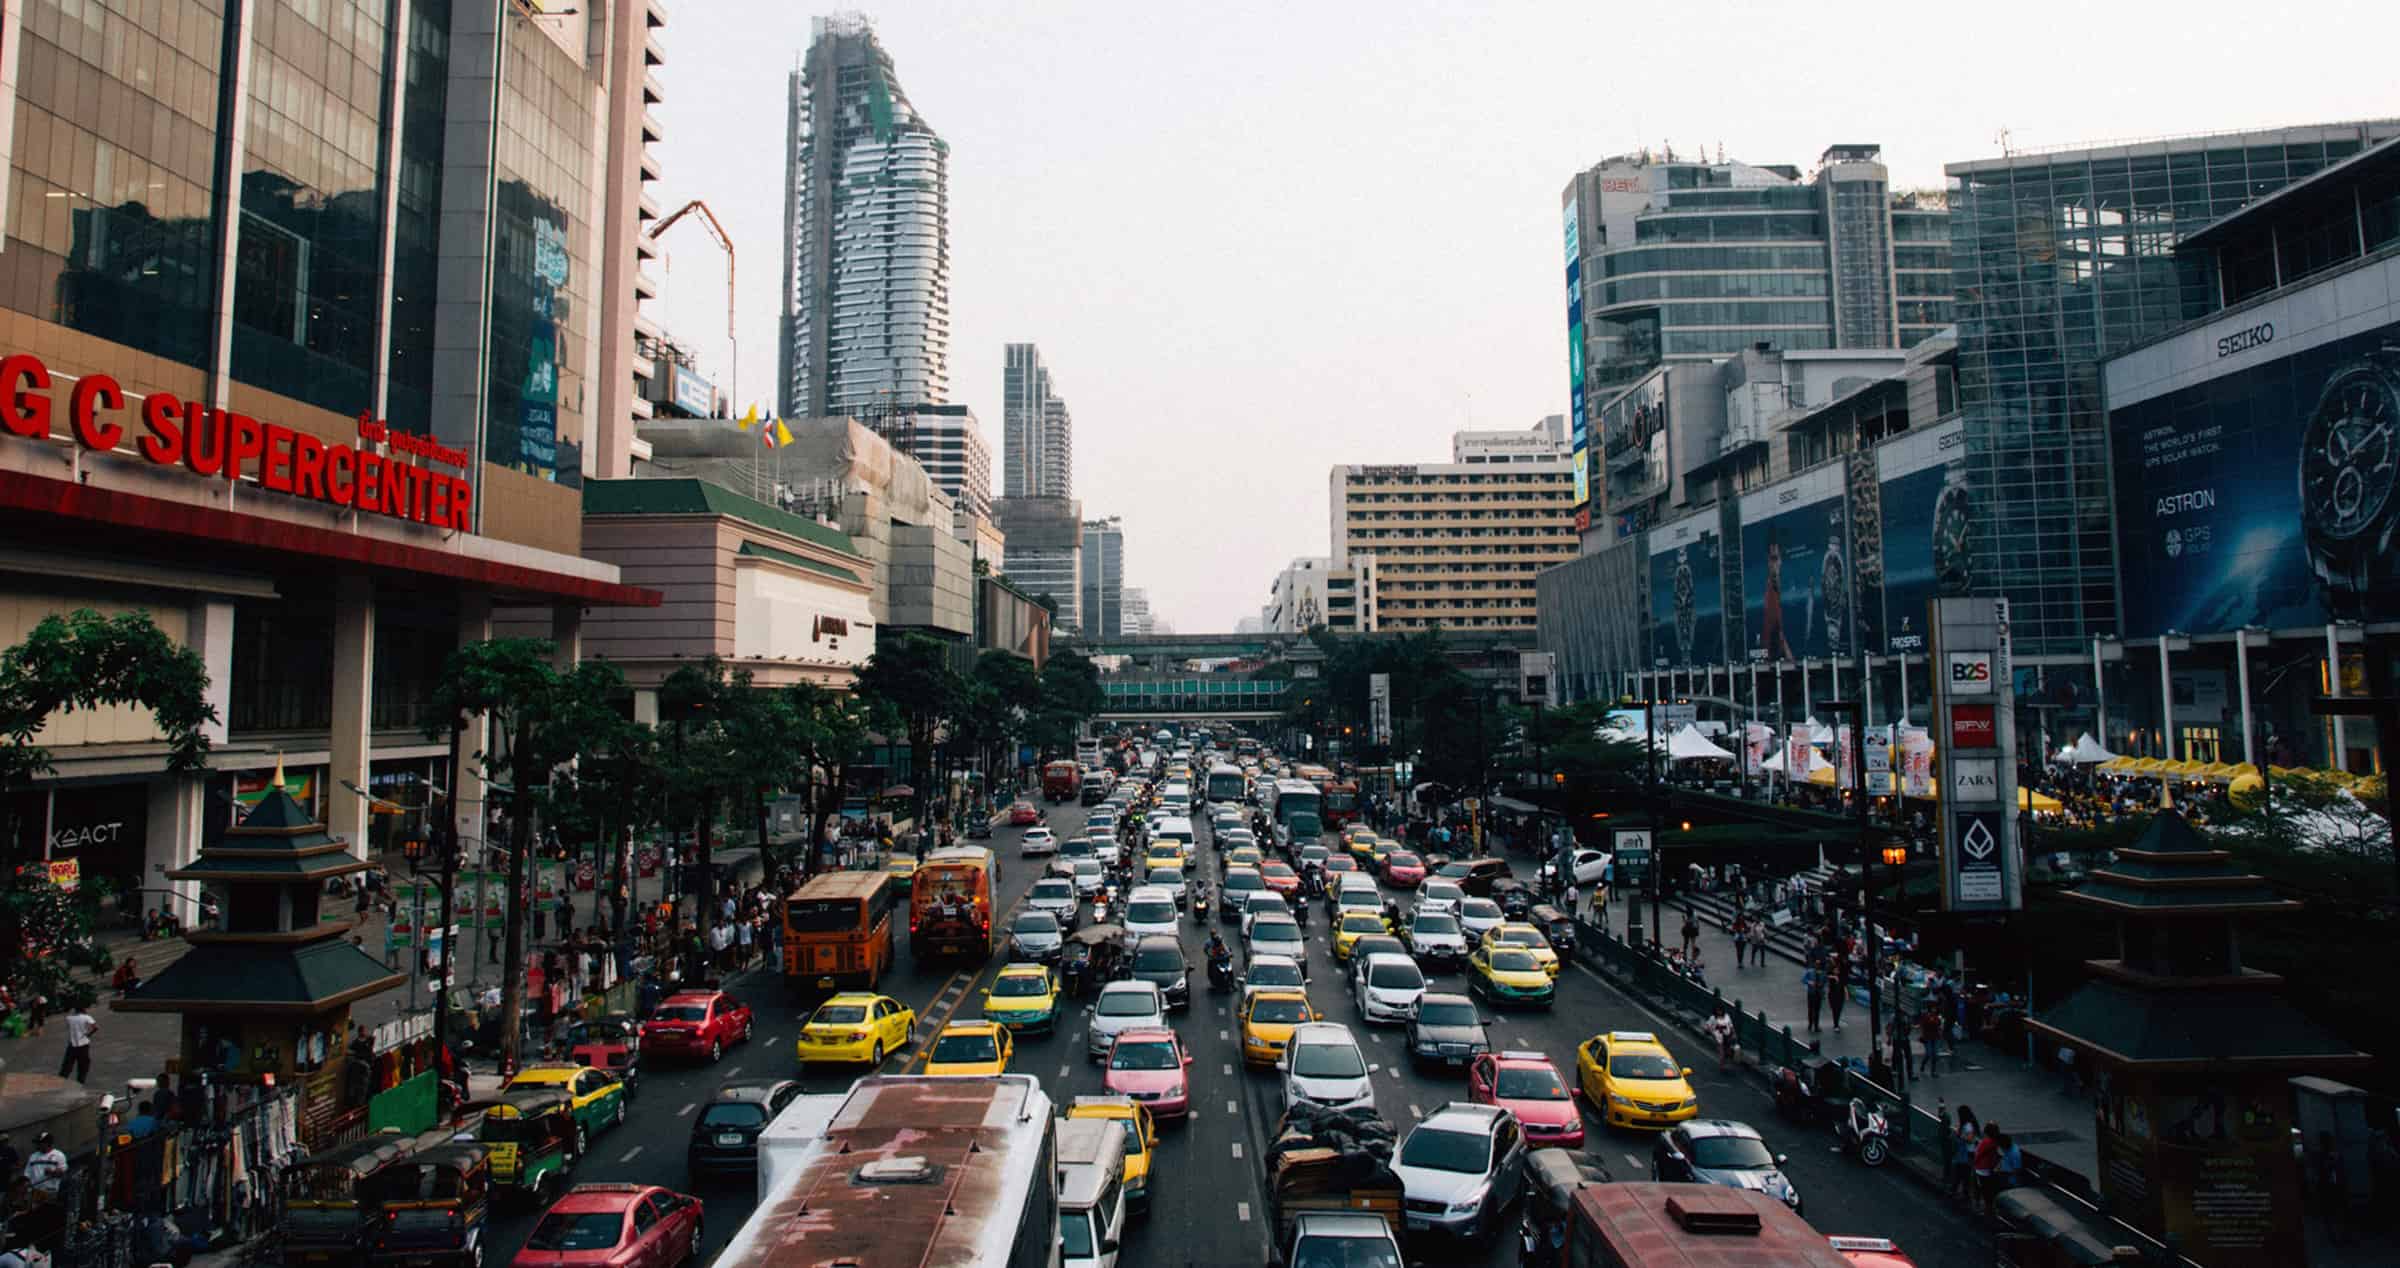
column 756, row 551
column 271, row 973
column 294, row 867
column 2241, row 1023
column 699, row 497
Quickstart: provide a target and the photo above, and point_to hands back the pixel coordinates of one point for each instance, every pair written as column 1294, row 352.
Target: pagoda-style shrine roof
column 2172, row 870
column 263, row 977
column 2194, row 1029
column 277, row 842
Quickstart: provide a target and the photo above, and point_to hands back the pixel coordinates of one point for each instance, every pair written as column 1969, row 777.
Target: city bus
column 961, row 1169
column 1296, row 807
column 1245, row 747
column 950, row 903
column 1341, row 803
column 1226, row 784
column 1647, row 1225
column 837, row 933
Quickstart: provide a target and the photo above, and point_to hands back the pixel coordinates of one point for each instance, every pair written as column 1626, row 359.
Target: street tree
column 1071, row 695
column 701, row 703
column 832, row 731
column 910, row 675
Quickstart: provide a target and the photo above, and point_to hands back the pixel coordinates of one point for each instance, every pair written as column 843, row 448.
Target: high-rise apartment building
column 1037, row 430
column 1454, row 544
column 630, row 376
column 1043, row 551
column 866, row 232
column 1689, row 260
column 1138, row 617
column 1103, row 608
column 948, row 441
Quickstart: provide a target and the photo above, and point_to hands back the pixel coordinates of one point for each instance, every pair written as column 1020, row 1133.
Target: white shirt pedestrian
column 46, row 1168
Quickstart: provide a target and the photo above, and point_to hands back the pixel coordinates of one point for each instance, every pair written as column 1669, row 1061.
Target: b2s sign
column 1970, row 673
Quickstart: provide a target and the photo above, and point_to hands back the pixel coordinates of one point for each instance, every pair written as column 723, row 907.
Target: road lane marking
column 1242, row 1209
column 1373, row 1068
column 686, row 1111
column 1223, row 1035
column 631, row 1154
column 1414, row 1112
column 1633, row 1162
column 1232, row 1107
column 1237, row 1149
column 733, row 1072
column 1062, row 1071
column 773, row 1040
column 1229, row 1068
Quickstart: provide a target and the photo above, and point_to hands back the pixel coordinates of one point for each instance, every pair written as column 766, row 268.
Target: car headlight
column 1469, row 1204
column 1176, row 1090
column 1615, row 1099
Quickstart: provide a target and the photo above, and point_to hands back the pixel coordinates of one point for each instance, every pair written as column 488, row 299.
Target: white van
column 1091, row 1191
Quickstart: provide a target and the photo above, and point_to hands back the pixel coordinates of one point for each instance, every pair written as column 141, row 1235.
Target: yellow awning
column 2030, row 799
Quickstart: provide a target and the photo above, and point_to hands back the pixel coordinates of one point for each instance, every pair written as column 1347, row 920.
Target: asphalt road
column 1208, row 1207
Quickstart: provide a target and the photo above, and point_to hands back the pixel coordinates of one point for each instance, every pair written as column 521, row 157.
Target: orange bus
column 950, row 903
column 1641, row 1225
column 837, row 932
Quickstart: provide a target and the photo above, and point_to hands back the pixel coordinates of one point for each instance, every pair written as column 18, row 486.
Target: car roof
column 1158, row 893
column 1022, row 970
column 1375, row 917
column 967, row 1026
column 1273, row 957
column 1114, row 1105
column 690, row 997
column 1460, row 1115
column 749, row 1089
column 1445, row 997
column 1147, row 1032
column 1518, row 1059
column 1316, row 1032
column 548, row 1072
column 1389, row 957
column 853, row 997
column 1700, row 1128
column 1157, row 939
column 1129, row 987
column 587, row 1199
column 1279, row 992
column 1273, row 918
column 1050, row 880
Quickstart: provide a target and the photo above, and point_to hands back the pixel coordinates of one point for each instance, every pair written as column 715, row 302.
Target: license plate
column 1455, row 1060
column 729, row 1139
column 825, row 981
column 1419, row 1221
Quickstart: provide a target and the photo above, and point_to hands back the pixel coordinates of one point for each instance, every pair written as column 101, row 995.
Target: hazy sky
column 1258, row 240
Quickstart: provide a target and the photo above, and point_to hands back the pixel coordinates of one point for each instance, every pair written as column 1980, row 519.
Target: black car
column 1158, row 960
column 1722, row 1152
column 725, row 1135
column 1447, row 1032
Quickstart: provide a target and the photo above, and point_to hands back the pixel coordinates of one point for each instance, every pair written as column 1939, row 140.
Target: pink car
column 1149, row 1064
column 1403, row 869
column 1527, row 1085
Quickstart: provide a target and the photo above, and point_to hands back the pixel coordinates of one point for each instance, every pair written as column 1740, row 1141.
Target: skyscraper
column 1037, row 429
column 1104, row 577
column 950, row 444
column 866, row 232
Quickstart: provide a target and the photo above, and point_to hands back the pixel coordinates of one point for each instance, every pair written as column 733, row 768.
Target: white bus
column 1226, row 783
column 1297, row 808
column 956, row 1169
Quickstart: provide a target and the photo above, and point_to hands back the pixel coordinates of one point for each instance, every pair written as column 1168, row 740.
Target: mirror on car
column 1687, row 1072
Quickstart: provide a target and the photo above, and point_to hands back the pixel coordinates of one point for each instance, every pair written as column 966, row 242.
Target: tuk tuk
column 1514, row 896
column 334, row 1199
column 530, row 1136
column 1555, row 925
column 1551, row 1178
column 611, row 1043
column 434, row 1209
column 1090, row 959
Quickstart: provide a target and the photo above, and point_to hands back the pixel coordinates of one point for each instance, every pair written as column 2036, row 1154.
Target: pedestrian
column 81, row 1026
column 1960, row 1175
column 1904, row 1066
column 1985, row 1162
column 1720, row 1028
column 1929, row 1032
column 745, row 936
column 1836, row 988
column 1758, row 945
column 48, row 1165
column 1691, row 932
column 1741, row 942
column 1813, row 979
column 1574, row 899
column 2012, row 1162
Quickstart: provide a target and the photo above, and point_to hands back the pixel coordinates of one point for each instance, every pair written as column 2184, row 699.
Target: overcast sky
column 1258, row 240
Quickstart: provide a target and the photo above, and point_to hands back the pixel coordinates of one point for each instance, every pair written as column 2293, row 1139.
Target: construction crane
column 725, row 240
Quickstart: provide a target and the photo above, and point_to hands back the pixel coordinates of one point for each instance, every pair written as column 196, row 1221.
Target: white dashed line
column 1414, row 1112
column 1232, row 1107
column 1634, row 1162
column 733, row 1072
column 1237, row 1149
column 1062, row 1071
column 686, row 1111
column 1375, row 1069
column 1242, row 1210
column 631, row 1154
column 773, row 1040
column 1224, row 1035
column 1229, row 1069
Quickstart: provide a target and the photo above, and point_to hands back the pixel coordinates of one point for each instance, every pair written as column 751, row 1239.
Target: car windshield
column 1037, row 922
column 582, row 1230
column 1529, row 1083
column 1436, row 922
column 1075, row 1234
column 1641, row 1065
column 1272, row 975
column 1056, row 890
column 682, row 1012
column 1522, row 938
column 1439, row 892
column 734, row 1114
column 1438, row 1150
column 1731, row 1153
column 1168, row 876
column 1362, row 922
column 1275, row 931
column 1513, row 960
column 1152, row 911
column 1148, row 1054
column 1088, row 867
column 1328, row 1061
column 1395, row 975
column 1345, row 1252
column 1128, row 1004
column 1021, row 985
column 1158, row 960
column 1402, row 859
column 1279, row 1010
column 1446, row 1014
column 1244, row 882
column 839, row 1015
column 965, row 1048
column 1480, row 909
column 1279, row 871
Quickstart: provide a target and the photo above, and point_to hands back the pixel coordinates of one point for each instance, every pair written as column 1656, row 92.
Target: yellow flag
column 749, row 417
column 782, row 436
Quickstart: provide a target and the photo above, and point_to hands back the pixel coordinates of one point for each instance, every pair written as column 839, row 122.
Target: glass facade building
column 2060, row 259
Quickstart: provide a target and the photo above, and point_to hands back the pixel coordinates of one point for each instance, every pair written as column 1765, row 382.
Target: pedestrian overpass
column 1193, row 695
column 1159, row 649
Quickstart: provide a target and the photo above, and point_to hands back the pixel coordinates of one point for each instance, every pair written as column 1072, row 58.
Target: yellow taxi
column 1631, row 1078
column 1023, row 997
column 597, row 1099
column 1244, row 856
column 1377, row 849
column 855, row 1026
column 970, row 1047
column 903, row 867
column 1141, row 1138
column 1361, row 847
column 1267, row 1019
column 1509, row 975
column 1164, row 854
column 1516, row 933
column 1354, row 925
column 1356, row 833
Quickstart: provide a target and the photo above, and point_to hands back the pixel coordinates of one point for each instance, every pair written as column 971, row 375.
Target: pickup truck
column 1339, row 1239
column 1324, row 1168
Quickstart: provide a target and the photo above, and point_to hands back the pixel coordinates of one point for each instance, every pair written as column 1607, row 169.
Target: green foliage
column 1070, row 693
column 910, row 676
column 1570, row 740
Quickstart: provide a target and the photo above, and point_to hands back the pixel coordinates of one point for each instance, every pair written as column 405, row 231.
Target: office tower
column 866, row 287
column 948, row 441
column 1454, row 544
column 1036, row 428
column 630, row 345
column 1104, row 577
column 1043, row 551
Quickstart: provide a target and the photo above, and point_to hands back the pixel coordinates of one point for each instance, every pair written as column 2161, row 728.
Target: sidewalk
column 2029, row 1104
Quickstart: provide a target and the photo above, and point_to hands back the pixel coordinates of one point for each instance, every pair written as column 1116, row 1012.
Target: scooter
column 1864, row 1134
column 1200, row 905
column 1220, row 974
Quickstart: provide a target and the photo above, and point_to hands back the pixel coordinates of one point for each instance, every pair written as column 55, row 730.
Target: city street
column 1208, row 1207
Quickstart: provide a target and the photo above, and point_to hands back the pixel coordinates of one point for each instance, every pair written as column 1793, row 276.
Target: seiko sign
column 2257, row 336
column 1970, row 673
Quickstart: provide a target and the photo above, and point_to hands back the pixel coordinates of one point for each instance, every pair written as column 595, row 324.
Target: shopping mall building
column 314, row 319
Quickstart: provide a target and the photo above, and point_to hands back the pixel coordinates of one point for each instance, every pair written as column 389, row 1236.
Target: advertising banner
column 1578, row 417
column 1976, row 849
column 2263, row 497
column 1916, row 764
column 1927, row 526
column 694, row 395
column 1795, row 574
column 1687, row 601
column 1379, row 708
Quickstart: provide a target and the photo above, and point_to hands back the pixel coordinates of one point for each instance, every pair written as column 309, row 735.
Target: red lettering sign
column 170, row 432
column 1973, row 726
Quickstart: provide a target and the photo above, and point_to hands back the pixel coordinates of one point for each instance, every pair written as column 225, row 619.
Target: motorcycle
column 1200, row 904
column 1220, row 973
column 1814, row 1093
column 1865, row 1134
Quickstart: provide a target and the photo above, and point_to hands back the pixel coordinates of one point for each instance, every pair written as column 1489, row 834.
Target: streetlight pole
column 1866, row 861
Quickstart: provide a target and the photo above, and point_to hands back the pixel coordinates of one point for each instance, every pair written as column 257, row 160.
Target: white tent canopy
column 1807, row 761
column 2085, row 751
column 1688, row 744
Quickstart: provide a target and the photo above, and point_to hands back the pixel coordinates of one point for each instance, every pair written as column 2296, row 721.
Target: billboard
column 1578, row 416
column 1927, row 525
column 1687, row 592
column 695, row 396
column 2265, row 496
column 1795, row 569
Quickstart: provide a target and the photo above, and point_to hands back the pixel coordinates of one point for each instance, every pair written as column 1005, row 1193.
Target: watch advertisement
column 1928, row 529
column 1687, row 594
column 1796, row 584
column 2265, row 496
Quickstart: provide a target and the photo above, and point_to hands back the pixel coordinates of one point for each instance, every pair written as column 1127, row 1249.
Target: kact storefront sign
column 170, row 431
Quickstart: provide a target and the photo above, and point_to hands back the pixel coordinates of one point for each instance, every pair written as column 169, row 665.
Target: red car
column 1148, row 1063
column 615, row 1226
column 1527, row 1085
column 1024, row 814
column 1280, row 877
column 696, row 1024
column 1403, row 869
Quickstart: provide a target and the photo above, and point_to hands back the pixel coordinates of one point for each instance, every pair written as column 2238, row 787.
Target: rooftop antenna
column 2002, row 139
column 1720, row 153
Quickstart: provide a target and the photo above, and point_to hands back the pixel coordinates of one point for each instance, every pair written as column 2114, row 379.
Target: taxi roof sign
column 1632, row 1036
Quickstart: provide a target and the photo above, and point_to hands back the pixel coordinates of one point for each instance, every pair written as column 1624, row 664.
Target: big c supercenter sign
column 169, row 431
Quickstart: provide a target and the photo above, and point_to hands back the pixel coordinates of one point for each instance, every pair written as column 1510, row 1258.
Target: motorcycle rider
column 1220, row 959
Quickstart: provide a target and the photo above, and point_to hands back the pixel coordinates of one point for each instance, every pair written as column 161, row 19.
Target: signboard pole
column 1976, row 740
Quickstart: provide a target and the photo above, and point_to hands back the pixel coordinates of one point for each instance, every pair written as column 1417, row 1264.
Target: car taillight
column 854, row 1036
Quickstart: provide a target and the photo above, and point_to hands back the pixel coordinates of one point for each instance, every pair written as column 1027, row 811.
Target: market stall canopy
column 2029, row 799
column 2086, row 751
column 1688, row 744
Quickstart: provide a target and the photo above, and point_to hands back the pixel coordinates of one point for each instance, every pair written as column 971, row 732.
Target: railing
column 1754, row 1033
